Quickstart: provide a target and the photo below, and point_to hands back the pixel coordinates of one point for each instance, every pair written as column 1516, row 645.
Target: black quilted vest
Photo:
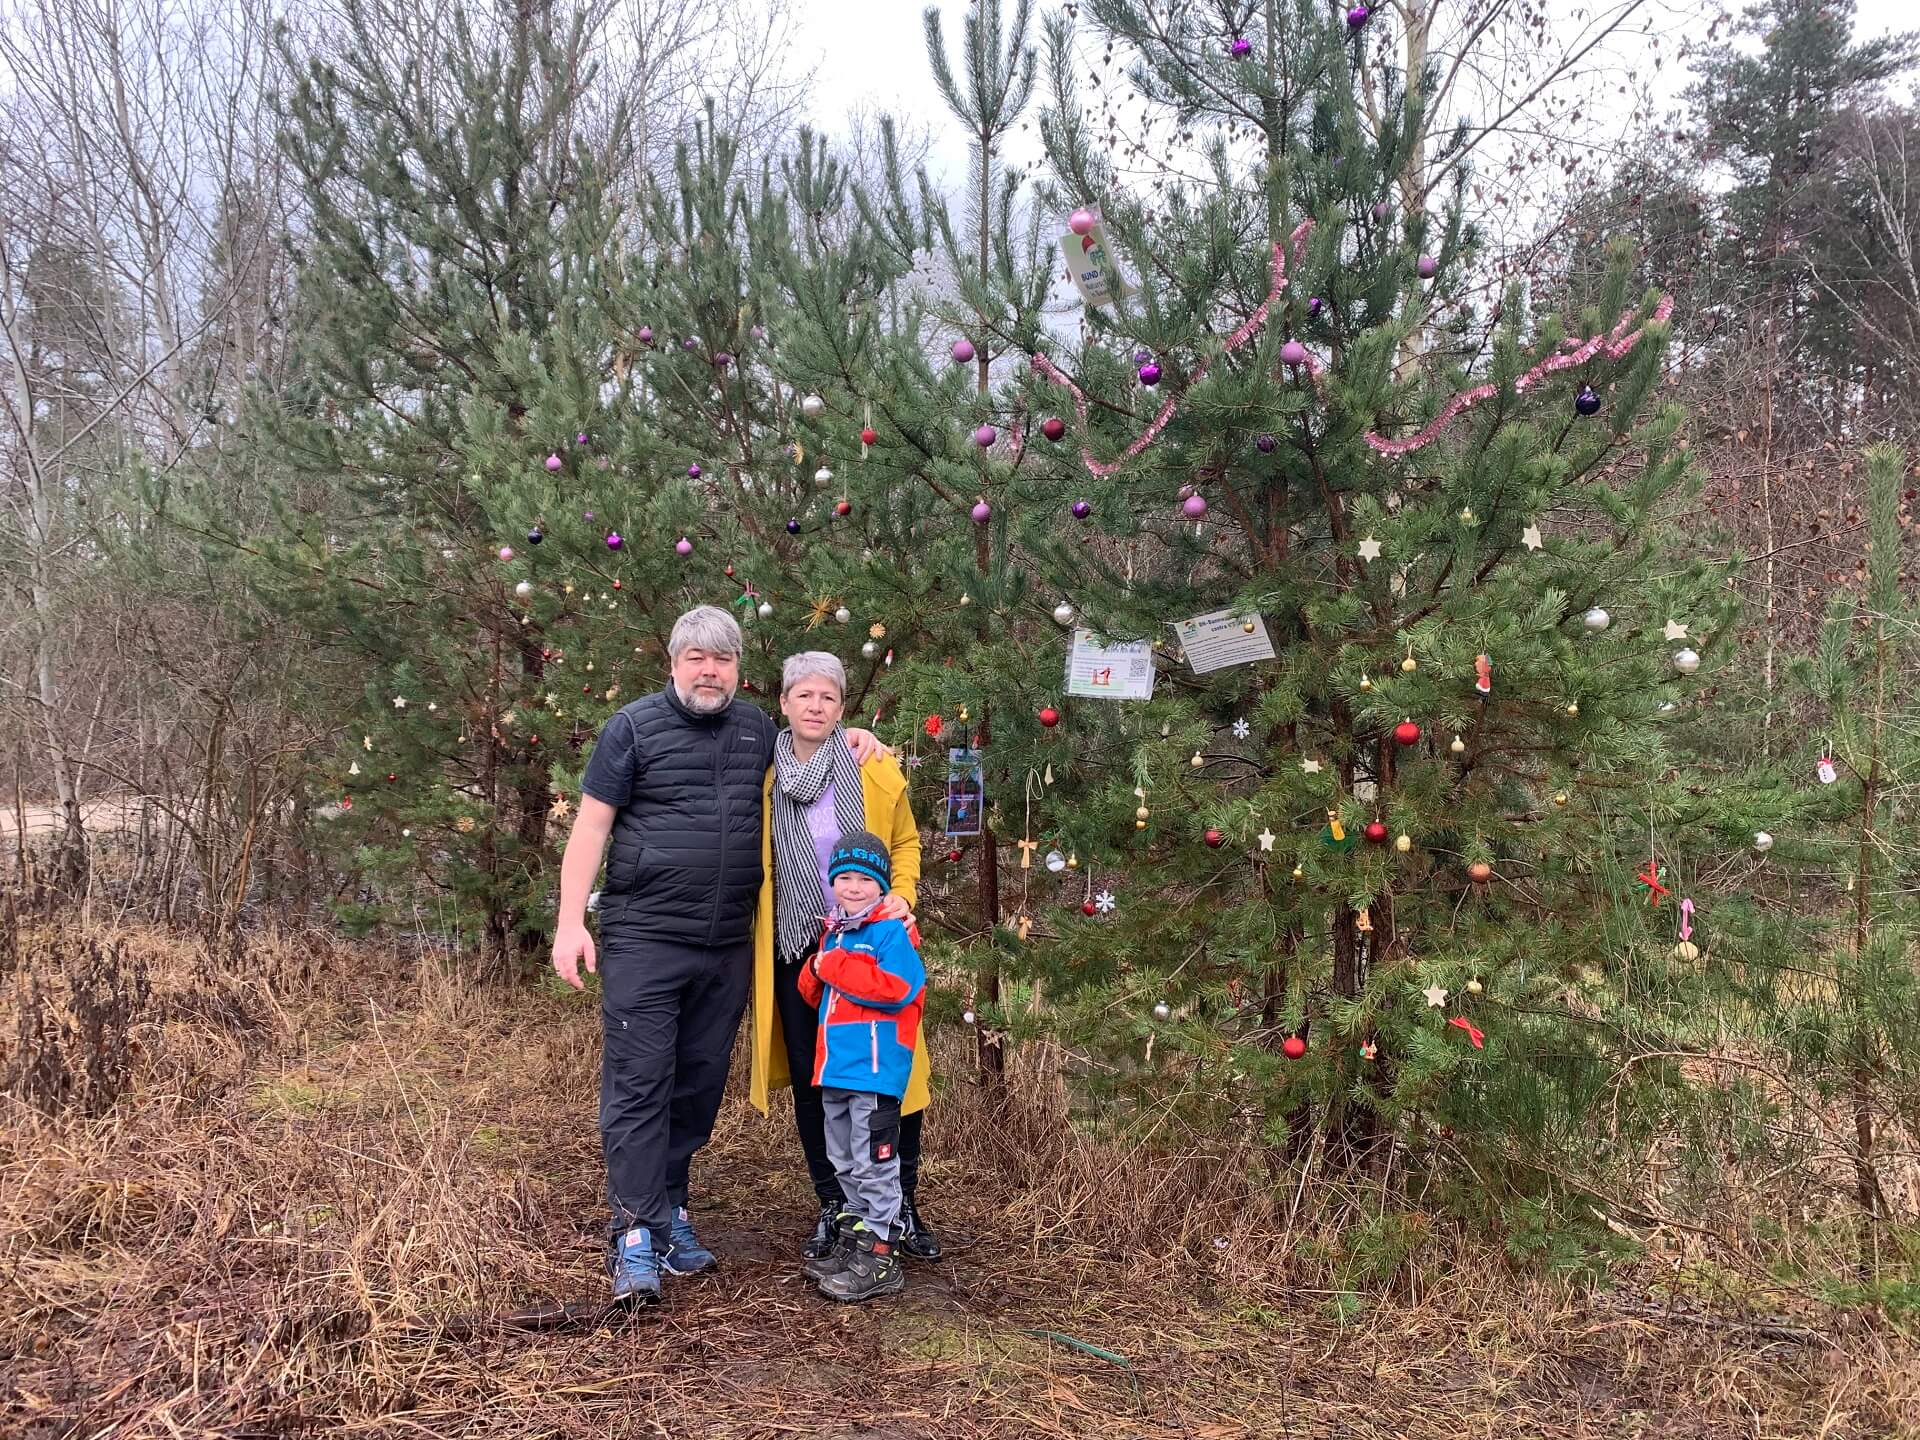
column 685, row 860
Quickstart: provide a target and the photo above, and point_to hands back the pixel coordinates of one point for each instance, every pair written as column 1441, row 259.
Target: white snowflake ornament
column 1104, row 902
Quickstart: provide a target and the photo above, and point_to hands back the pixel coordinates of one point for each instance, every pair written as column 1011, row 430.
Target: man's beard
column 708, row 704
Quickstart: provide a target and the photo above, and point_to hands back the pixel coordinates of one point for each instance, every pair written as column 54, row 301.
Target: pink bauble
column 553, row 462
column 646, row 334
column 1081, row 222
column 985, row 436
column 1293, row 353
column 962, row 351
column 683, row 546
column 982, row 512
column 1195, row 506
column 506, row 552
column 1428, row 267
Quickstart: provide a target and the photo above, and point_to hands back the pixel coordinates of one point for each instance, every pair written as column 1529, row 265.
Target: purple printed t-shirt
column 824, row 826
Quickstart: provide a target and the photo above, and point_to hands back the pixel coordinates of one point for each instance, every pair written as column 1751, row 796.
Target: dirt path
column 294, row 1227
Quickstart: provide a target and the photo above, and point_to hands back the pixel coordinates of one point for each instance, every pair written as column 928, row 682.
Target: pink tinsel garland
column 1617, row 343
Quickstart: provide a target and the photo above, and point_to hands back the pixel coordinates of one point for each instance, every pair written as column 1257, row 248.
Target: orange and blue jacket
column 869, row 984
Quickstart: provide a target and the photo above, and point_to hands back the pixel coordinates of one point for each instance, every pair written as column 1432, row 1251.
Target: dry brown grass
column 335, row 1169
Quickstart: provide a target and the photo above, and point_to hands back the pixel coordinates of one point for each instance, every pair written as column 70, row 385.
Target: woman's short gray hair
column 813, row 662
column 708, row 628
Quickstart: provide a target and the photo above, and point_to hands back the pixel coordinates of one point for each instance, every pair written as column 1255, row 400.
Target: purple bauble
column 985, row 436
column 759, row 332
column 536, row 535
column 581, row 438
column 1381, row 209
column 693, row 471
column 1081, row 222
column 506, row 552
column 589, row 514
column 793, row 527
column 1264, row 444
column 614, row 542
column 646, row 334
column 1142, row 355
column 982, row 512
column 1081, row 509
column 962, row 351
column 1357, row 16
column 690, row 342
column 553, row 462
column 1315, row 305
column 683, row 546
column 722, row 360
column 1428, row 267
column 1195, row 506
column 1150, row 374
column 1242, row 47
column 1586, row 402
column 1293, row 353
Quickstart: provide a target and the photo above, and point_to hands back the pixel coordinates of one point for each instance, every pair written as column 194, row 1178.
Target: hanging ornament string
column 1616, row 343
column 1254, row 324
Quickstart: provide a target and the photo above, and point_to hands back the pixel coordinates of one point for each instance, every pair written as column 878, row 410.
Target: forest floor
column 329, row 1180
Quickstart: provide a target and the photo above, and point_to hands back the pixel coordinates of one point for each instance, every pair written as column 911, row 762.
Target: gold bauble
column 1247, row 626
column 1686, row 950
column 1139, row 824
column 1403, row 844
column 1560, row 797
column 1573, row 707
column 1459, row 746
column 1474, row 987
column 1198, row 760
column 1073, row 861
column 1298, row 873
column 1365, row 683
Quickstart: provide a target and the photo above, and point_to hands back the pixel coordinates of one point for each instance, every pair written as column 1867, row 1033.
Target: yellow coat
column 883, row 789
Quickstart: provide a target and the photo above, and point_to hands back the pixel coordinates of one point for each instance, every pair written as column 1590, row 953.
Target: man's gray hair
column 709, row 628
column 813, row 662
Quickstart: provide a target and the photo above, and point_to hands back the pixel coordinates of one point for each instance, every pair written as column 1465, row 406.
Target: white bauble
column 1596, row 619
column 1762, row 841
column 766, row 609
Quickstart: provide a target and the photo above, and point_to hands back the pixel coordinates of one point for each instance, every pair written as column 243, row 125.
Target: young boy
column 868, row 982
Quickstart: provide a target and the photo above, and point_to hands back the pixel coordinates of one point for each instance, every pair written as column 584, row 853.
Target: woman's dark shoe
column 819, row 1244
column 915, row 1238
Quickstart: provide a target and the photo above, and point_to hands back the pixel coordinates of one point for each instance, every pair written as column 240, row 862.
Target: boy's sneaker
column 636, row 1268
column 916, row 1240
column 838, row 1252
column 819, row 1245
column 872, row 1269
column 685, row 1254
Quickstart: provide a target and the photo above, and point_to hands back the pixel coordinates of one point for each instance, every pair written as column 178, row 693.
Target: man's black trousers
column 800, row 1027
column 668, row 1015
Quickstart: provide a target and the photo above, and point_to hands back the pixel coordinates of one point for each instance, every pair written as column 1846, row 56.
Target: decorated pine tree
column 477, row 522
column 1331, row 632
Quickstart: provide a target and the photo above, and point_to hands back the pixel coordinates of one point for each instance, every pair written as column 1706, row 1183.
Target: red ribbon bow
column 1650, row 877
column 1474, row 1032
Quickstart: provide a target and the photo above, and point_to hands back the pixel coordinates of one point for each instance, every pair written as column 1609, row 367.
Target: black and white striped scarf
column 799, row 902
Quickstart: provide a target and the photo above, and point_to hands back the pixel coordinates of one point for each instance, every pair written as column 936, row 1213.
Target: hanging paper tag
column 1091, row 265
column 1825, row 770
column 965, row 799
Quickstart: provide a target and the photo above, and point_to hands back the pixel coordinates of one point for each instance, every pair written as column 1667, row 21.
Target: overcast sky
column 874, row 52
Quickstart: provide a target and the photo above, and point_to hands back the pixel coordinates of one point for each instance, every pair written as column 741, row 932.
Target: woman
column 815, row 794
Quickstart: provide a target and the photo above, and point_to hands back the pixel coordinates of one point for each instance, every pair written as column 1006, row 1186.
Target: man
column 677, row 779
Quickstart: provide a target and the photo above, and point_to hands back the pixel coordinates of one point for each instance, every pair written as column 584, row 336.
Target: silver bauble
column 1161, row 1010
column 843, row 615
column 822, row 478
column 1063, row 613
column 813, row 407
column 766, row 609
column 1762, row 841
column 1596, row 619
column 869, row 650
column 1686, row 661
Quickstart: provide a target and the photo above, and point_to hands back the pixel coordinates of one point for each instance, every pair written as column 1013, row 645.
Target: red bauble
column 1053, row 427
column 1406, row 732
column 1087, row 908
column 1376, row 833
column 391, row 777
column 616, row 584
column 953, row 855
column 844, row 508
column 1216, row 838
column 1293, row 1047
column 586, row 690
column 869, row 436
column 934, row 726
column 1049, row 717
column 729, row 572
